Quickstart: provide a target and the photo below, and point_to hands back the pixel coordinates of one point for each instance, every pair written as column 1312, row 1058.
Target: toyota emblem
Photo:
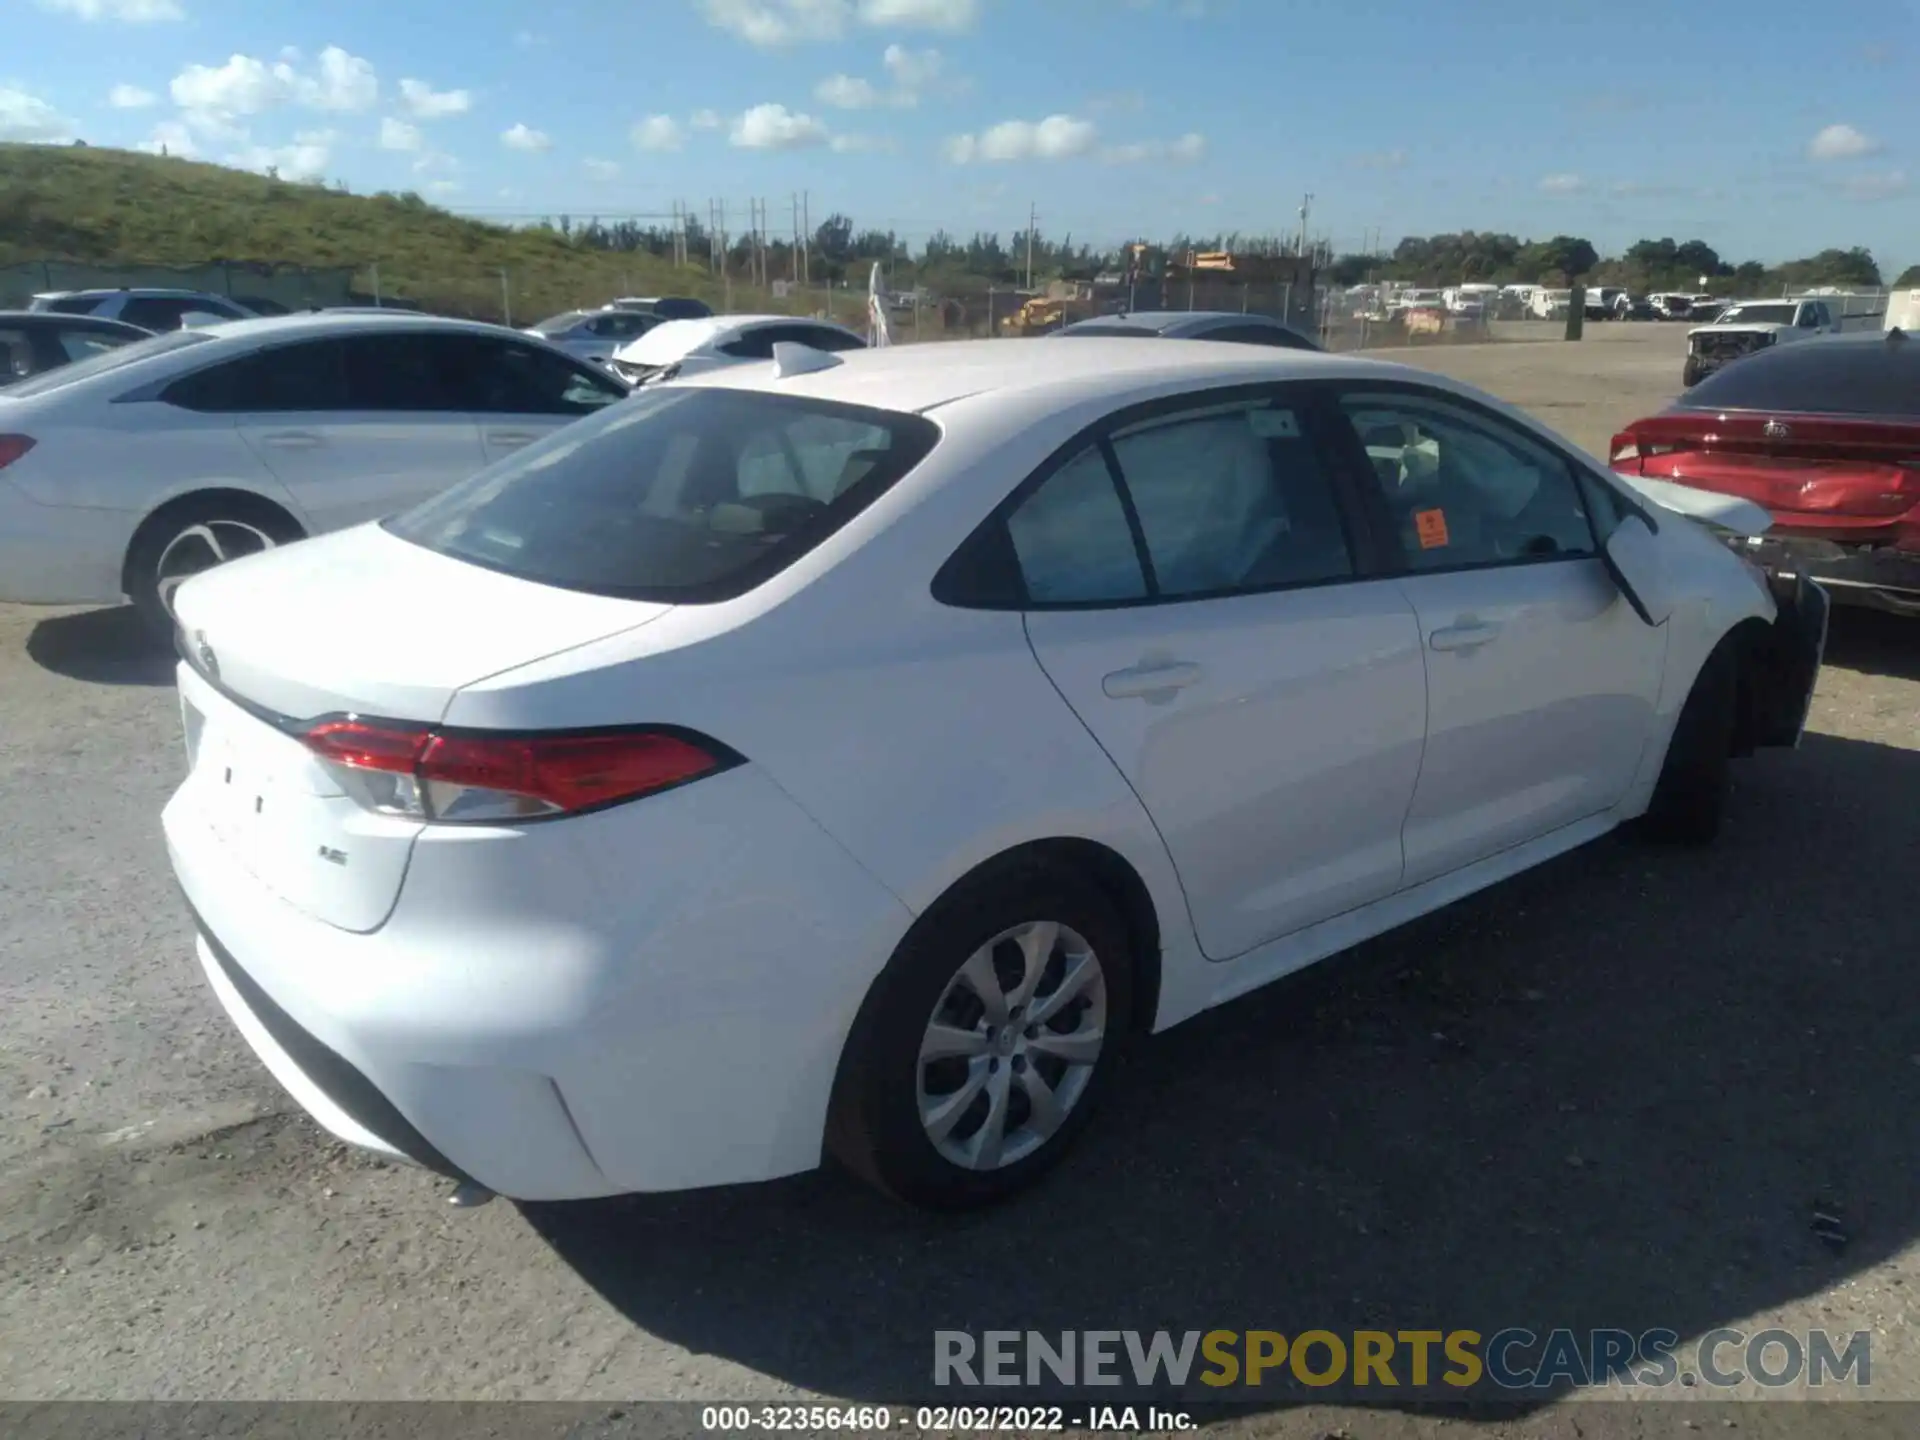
column 1774, row 430
column 209, row 662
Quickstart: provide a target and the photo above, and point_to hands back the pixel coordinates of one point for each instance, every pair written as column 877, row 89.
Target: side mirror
column 1637, row 563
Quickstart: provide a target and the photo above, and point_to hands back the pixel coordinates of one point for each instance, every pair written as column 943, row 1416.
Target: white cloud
column 774, row 23
column 950, row 15
column 399, row 135
column 1841, row 142
column 28, row 117
column 214, row 95
column 170, row 137
column 1058, row 137
column 912, row 69
column 1562, row 184
column 1184, row 151
column 443, row 187
column 862, row 144
column 657, row 132
column 847, row 92
column 601, row 169
column 131, row 97
column 521, row 137
column 1382, row 160
column 705, row 120
column 771, row 24
column 528, row 39
column 130, row 12
column 434, row 160
column 423, row 102
column 774, row 127
column 305, row 159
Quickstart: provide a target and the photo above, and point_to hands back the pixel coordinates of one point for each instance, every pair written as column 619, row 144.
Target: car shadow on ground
column 1612, row 1092
column 106, row 647
column 1874, row 642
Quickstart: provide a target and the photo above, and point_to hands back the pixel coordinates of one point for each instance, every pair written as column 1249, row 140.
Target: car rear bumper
column 60, row 554
column 654, row 1001
column 1875, row 575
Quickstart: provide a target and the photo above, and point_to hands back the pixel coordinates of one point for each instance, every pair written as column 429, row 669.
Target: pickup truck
column 1750, row 325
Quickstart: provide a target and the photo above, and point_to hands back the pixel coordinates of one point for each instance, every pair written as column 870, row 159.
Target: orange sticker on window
column 1431, row 527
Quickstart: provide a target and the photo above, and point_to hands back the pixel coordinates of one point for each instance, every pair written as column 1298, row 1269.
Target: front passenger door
column 1192, row 592
column 1541, row 677
column 519, row 393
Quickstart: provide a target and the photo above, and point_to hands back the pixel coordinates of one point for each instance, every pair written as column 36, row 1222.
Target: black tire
column 240, row 525
column 1690, row 798
column 876, row 1128
column 1690, row 374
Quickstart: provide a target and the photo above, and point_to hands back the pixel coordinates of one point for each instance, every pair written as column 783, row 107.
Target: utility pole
column 1306, row 206
column 506, row 299
column 806, row 240
column 793, row 255
column 1033, row 219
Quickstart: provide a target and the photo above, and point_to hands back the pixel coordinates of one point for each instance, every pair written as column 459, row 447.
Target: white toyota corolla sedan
column 856, row 753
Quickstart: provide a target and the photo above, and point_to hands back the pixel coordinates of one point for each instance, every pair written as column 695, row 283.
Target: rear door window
column 83, row 344
column 412, row 372
column 309, row 377
column 678, row 495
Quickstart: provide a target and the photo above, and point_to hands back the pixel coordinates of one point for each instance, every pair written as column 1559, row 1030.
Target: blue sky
column 1768, row 128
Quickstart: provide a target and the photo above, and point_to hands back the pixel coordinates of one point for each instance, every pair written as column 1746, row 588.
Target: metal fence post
column 1576, row 312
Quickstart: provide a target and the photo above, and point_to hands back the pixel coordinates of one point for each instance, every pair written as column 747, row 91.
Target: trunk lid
column 358, row 622
column 1820, row 468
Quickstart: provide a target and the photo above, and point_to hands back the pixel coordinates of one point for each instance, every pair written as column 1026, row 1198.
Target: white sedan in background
column 690, row 347
column 858, row 752
column 123, row 474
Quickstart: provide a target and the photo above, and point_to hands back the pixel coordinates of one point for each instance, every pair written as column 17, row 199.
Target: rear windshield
column 677, row 495
column 107, row 360
column 1136, row 331
column 1841, row 377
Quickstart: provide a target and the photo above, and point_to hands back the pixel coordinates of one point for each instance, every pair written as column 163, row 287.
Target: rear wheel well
column 241, row 504
column 1111, row 874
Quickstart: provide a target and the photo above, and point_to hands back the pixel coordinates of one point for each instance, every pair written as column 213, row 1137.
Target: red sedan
column 1825, row 434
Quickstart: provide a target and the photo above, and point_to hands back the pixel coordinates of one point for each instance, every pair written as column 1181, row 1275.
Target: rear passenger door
column 1541, row 677
column 354, row 427
column 1194, row 590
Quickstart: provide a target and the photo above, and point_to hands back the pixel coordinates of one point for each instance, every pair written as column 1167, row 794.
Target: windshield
column 560, row 324
column 1136, row 331
column 1757, row 315
column 678, row 495
column 107, row 360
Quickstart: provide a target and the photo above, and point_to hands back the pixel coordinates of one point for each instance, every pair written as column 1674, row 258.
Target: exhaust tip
column 469, row 1196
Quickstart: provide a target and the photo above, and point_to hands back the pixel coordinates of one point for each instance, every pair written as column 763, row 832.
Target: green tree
column 1908, row 278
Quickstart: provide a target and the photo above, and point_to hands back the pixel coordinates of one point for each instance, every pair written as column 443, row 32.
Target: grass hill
column 118, row 207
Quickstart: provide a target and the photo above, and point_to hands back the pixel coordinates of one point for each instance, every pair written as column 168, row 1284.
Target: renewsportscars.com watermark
column 1450, row 1361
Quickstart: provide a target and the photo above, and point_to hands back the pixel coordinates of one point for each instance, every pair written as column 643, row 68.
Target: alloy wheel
column 200, row 547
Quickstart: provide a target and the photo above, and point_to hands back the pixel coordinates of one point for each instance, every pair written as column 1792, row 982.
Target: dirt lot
column 1612, row 1092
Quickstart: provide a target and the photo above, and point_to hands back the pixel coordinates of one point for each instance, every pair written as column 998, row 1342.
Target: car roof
column 323, row 322
column 676, row 339
column 918, row 378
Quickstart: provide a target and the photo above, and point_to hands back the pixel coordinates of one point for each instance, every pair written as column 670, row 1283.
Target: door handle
column 1468, row 635
column 291, row 440
column 1146, row 681
column 510, row 437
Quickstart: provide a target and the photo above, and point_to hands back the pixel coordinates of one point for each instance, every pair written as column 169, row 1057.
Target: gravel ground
column 1611, row 1092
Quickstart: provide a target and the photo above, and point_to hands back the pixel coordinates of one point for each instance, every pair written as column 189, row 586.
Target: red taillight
column 12, row 447
column 477, row 777
column 1624, row 451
